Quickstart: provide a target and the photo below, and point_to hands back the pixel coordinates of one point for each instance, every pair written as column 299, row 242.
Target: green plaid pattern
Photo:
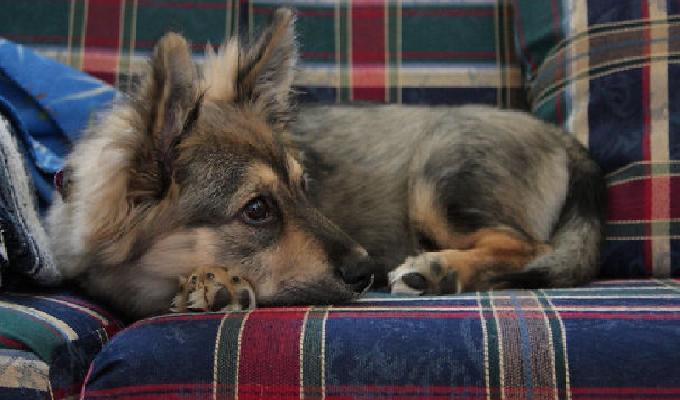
column 435, row 51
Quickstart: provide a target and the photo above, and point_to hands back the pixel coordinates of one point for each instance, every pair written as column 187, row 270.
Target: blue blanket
column 44, row 108
column 49, row 104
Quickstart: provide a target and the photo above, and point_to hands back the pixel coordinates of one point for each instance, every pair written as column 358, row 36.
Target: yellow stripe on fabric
column 121, row 37
column 643, row 221
column 338, row 58
column 563, row 334
column 503, row 56
column 332, row 76
column 323, row 354
column 551, row 347
column 251, row 17
column 238, row 352
column 501, row 353
column 646, row 237
column 485, row 346
column 227, row 20
column 386, row 49
column 603, row 30
column 18, row 372
column 642, row 178
column 399, row 50
column 350, row 59
column 463, row 77
column 630, row 63
column 659, row 138
column 237, row 17
column 667, row 285
column 509, row 80
column 83, row 35
column 301, row 347
column 577, row 122
column 642, row 162
column 218, row 337
column 499, row 47
column 133, row 37
column 58, row 324
column 71, row 17
column 85, row 310
column 49, row 390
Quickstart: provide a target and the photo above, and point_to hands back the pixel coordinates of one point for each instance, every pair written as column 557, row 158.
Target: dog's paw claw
column 213, row 289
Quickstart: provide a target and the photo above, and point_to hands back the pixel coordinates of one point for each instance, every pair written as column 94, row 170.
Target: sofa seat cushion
column 612, row 339
column 51, row 336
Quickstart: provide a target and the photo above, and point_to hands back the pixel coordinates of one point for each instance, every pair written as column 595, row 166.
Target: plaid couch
column 603, row 69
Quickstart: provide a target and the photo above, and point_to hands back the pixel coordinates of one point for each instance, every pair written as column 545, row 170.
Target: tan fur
column 299, row 253
column 427, row 216
column 220, row 71
column 489, row 247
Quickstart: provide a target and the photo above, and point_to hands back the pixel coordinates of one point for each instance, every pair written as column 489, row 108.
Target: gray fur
column 491, row 168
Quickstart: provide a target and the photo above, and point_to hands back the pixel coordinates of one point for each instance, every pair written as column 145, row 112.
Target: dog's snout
column 357, row 272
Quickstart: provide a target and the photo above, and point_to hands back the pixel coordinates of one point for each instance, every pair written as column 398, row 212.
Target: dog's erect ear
column 266, row 70
column 172, row 97
column 260, row 74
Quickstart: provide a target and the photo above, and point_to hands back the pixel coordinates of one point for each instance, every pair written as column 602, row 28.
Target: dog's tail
column 577, row 237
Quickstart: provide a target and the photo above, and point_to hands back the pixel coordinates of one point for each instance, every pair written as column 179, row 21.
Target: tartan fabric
column 47, row 342
column 606, row 70
column 431, row 51
column 611, row 340
column 23, row 376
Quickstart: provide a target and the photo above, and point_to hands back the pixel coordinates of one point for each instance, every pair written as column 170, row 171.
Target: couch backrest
column 433, row 51
column 603, row 69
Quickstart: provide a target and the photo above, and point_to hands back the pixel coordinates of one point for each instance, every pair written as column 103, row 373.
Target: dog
column 210, row 190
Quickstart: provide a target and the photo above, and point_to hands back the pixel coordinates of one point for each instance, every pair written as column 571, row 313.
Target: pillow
column 607, row 70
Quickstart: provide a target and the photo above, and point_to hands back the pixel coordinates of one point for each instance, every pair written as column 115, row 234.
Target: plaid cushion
column 47, row 343
column 23, row 376
column 612, row 340
column 432, row 51
column 606, row 70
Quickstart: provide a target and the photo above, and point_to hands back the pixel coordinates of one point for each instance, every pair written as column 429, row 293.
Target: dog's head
column 213, row 158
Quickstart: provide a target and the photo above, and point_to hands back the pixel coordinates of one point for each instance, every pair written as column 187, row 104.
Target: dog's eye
column 257, row 211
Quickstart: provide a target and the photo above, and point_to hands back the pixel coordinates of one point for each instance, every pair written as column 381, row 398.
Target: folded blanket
column 44, row 107
column 24, row 249
column 49, row 104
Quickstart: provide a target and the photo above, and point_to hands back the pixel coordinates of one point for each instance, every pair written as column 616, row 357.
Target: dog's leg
column 492, row 252
column 213, row 289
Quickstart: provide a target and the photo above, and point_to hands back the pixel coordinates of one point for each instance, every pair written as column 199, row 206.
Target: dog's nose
column 358, row 275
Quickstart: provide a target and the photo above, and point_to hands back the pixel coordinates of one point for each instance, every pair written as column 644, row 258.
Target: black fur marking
column 222, row 299
column 587, row 194
column 436, row 268
column 531, row 279
column 415, row 280
column 244, row 299
column 426, row 243
column 449, row 284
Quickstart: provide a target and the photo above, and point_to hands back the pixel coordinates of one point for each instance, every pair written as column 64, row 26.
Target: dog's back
column 403, row 180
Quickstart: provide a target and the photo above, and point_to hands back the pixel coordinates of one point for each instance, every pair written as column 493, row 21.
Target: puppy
column 207, row 190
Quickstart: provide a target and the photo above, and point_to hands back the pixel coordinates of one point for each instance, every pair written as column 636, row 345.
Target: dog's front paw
column 213, row 289
column 424, row 274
